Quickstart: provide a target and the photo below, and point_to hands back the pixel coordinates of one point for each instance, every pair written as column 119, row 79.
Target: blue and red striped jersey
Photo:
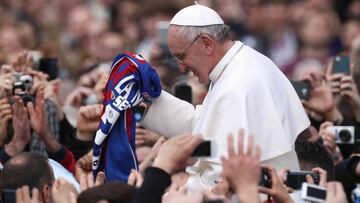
column 131, row 80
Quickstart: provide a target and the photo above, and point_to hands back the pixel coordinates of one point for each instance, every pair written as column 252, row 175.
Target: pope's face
column 188, row 54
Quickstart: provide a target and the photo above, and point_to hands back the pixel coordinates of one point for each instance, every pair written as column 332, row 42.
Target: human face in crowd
column 189, row 54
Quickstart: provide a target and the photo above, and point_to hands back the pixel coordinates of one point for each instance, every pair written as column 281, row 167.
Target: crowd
column 55, row 58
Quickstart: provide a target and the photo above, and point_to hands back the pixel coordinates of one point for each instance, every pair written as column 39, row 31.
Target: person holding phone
column 246, row 90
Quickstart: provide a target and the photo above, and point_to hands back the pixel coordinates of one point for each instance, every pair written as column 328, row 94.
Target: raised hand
column 6, row 84
column 242, row 169
column 40, row 123
column 23, row 62
column 329, row 138
column 321, row 98
column 6, row 115
column 148, row 161
column 23, row 195
column 135, row 178
column 145, row 136
column 88, row 121
column 38, row 115
column 335, row 193
column 87, row 181
column 63, row 191
column 173, row 153
column 21, row 126
column 77, row 96
column 84, row 165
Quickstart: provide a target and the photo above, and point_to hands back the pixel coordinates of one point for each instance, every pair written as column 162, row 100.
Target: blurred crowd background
column 85, row 35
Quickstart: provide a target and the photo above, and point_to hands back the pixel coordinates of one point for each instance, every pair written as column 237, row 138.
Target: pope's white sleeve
column 169, row 116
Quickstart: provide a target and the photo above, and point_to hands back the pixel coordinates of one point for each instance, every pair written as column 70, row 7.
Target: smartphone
column 265, row 178
column 139, row 112
column 295, row 179
column 313, row 193
column 8, row 196
column 183, row 92
column 50, row 67
column 341, row 64
column 302, row 89
column 162, row 29
column 204, row 149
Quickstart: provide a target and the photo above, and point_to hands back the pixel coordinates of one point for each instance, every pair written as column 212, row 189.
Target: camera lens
column 344, row 135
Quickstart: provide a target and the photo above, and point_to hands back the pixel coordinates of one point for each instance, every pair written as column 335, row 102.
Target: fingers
column 90, row 180
column 194, row 142
column 140, row 132
column 241, row 141
column 5, row 114
column 131, row 179
column 309, row 179
column 30, row 108
column 323, row 175
column 86, row 181
column 91, row 111
column 135, row 179
column 19, row 195
column 257, row 153
column 264, row 190
column 325, row 125
column 83, row 182
column 35, row 194
column 230, row 141
column 250, row 145
column 100, row 178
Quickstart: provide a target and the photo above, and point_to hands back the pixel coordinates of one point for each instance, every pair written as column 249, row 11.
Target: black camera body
column 302, row 89
column 265, row 178
column 294, row 179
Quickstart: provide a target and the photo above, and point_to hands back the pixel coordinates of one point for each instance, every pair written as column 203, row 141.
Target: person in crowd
column 243, row 93
column 29, row 169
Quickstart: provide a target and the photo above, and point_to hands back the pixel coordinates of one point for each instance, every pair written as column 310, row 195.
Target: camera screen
column 317, row 193
column 204, row 149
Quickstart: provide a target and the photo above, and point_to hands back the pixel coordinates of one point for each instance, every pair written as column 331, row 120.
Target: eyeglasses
column 181, row 57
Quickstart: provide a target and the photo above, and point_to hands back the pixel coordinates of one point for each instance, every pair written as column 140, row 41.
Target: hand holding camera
column 274, row 186
column 321, row 99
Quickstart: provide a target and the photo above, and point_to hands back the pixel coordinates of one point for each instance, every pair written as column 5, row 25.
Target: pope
column 247, row 90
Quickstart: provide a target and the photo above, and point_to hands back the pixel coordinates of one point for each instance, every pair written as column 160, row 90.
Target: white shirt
column 247, row 91
column 61, row 172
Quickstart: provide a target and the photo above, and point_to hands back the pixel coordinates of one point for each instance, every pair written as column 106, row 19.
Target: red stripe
column 114, row 69
column 131, row 69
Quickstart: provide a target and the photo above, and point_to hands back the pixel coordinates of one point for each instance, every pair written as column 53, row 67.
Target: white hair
column 219, row 32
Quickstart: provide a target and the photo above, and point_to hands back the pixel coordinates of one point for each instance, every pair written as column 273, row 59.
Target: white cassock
column 247, row 91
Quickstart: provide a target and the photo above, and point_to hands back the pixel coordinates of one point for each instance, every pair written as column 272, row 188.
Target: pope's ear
column 208, row 43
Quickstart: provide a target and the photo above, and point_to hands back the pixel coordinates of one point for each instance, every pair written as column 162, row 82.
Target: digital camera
column 295, row 179
column 343, row 134
column 21, row 87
